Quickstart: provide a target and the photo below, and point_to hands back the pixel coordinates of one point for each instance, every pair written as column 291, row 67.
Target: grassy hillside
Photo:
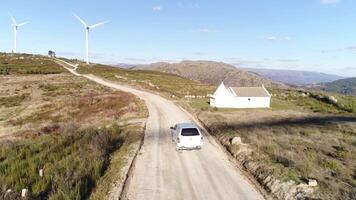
column 294, row 77
column 65, row 125
column 169, row 85
column 304, row 135
column 343, row 86
column 22, row 64
column 212, row 73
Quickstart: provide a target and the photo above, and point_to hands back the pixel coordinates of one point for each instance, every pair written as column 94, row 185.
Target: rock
column 40, row 172
column 312, row 183
column 236, row 141
column 332, row 99
column 24, row 192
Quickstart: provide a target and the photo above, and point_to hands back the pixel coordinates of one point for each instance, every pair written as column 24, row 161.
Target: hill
column 294, row 77
column 344, row 86
column 213, row 73
column 65, row 125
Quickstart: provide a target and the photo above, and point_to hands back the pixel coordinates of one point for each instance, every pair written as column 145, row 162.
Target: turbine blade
column 24, row 23
column 98, row 24
column 13, row 19
column 82, row 21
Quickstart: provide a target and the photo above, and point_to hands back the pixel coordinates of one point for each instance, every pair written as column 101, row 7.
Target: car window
column 189, row 132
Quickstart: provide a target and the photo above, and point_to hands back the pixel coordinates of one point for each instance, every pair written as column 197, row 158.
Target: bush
column 329, row 164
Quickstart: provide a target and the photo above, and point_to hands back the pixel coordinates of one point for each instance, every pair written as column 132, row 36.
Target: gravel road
column 162, row 172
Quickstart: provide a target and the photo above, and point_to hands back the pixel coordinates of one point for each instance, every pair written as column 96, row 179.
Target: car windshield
column 190, row 132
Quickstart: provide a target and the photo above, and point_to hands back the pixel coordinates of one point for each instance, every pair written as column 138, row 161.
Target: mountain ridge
column 295, row 77
column 212, row 73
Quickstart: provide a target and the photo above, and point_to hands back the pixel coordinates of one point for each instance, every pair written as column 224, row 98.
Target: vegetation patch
column 73, row 161
column 22, row 64
column 12, row 101
column 298, row 148
column 167, row 84
column 68, row 129
column 315, row 101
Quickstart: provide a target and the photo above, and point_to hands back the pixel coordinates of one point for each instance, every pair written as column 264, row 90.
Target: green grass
column 313, row 101
column 73, row 162
column 13, row 101
column 118, row 160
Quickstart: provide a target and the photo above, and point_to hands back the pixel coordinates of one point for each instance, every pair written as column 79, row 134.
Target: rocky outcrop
column 278, row 189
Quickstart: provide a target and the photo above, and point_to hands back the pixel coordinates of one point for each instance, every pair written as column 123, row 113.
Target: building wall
column 240, row 102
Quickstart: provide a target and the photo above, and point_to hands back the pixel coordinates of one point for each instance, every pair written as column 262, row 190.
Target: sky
column 313, row 35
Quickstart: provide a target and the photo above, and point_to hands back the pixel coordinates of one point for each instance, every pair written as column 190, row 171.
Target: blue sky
column 315, row 35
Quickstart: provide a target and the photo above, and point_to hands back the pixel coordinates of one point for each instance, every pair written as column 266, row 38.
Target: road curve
column 161, row 172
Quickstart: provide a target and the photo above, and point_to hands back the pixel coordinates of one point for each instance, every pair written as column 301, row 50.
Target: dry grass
column 168, row 85
column 302, row 136
column 297, row 146
column 65, row 124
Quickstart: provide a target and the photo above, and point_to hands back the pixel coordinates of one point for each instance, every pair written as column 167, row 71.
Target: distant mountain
column 124, row 65
column 344, row 86
column 212, row 73
column 294, row 77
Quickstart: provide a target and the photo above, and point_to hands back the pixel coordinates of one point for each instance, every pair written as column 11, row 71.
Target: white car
column 187, row 136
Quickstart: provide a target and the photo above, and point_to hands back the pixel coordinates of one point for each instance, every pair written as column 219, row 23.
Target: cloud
column 207, row 30
column 288, row 60
column 199, row 53
column 189, row 5
column 328, row 2
column 348, row 69
column 157, row 8
column 135, row 59
column 351, row 48
column 277, row 38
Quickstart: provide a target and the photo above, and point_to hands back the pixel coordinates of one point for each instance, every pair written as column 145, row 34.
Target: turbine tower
column 87, row 29
column 16, row 26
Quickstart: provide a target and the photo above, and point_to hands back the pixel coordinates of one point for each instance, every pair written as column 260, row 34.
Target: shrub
column 329, row 164
column 72, row 163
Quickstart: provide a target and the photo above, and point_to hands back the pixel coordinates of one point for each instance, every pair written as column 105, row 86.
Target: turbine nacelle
column 87, row 29
column 16, row 26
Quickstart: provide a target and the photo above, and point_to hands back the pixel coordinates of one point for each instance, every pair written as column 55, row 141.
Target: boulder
column 332, row 99
column 236, row 141
column 40, row 172
column 312, row 183
column 24, row 193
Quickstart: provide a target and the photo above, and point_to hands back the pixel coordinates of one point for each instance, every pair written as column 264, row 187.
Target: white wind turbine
column 15, row 26
column 87, row 29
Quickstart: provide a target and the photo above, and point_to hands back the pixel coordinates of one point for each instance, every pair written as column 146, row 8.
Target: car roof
column 187, row 125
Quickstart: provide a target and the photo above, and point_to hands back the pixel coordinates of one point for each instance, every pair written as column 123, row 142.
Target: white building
column 240, row 97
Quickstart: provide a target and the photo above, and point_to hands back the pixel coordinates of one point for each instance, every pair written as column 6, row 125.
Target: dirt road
column 161, row 172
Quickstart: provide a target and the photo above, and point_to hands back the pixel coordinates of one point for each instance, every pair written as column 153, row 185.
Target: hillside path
column 162, row 172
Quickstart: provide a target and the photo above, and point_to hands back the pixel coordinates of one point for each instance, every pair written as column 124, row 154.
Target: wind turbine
column 87, row 29
column 16, row 26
